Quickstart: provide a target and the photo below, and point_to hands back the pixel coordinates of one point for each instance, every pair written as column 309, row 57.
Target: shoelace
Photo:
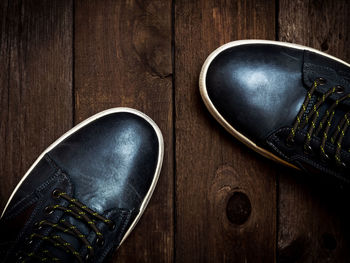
column 325, row 123
column 79, row 211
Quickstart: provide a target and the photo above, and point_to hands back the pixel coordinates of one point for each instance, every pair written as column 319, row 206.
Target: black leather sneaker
column 289, row 103
column 85, row 193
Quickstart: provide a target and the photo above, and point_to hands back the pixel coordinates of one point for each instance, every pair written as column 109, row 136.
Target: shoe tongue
column 74, row 240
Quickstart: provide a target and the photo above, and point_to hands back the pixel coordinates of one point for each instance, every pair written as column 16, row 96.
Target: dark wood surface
column 35, row 83
column 210, row 165
column 217, row 201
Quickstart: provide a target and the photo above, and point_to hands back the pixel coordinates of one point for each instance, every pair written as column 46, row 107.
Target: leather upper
column 259, row 89
column 108, row 165
column 111, row 162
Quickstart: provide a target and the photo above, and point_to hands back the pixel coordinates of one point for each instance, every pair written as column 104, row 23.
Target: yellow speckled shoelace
column 326, row 122
column 78, row 211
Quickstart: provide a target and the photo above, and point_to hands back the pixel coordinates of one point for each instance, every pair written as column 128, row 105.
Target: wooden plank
column 214, row 172
column 313, row 216
column 35, row 83
column 123, row 58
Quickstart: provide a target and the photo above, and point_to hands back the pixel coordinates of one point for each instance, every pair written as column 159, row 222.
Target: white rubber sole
column 84, row 123
column 220, row 118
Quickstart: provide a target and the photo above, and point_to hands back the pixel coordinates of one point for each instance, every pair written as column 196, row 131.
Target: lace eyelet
column 324, row 157
column 321, row 81
column 48, row 210
column 56, row 193
column 343, row 165
column 100, row 242
column 38, row 226
column 88, row 258
column 111, row 226
column 339, row 89
column 308, row 149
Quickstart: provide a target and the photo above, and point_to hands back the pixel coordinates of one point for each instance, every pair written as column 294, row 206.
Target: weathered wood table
column 217, row 201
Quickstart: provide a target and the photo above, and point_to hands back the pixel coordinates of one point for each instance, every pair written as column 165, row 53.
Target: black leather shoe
column 85, row 193
column 289, row 103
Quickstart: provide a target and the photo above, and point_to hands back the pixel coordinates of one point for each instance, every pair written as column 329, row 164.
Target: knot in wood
column 238, row 208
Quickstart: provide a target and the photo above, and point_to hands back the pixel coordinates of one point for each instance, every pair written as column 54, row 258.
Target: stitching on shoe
column 36, row 192
column 125, row 218
column 36, row 195
column 274, row 139
column 313, row 139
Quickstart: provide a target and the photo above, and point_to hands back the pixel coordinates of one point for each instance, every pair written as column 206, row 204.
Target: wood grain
column 62, row 62
column 123, row 58
column 35, row 83
column 214, row 223
column 313, row 218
